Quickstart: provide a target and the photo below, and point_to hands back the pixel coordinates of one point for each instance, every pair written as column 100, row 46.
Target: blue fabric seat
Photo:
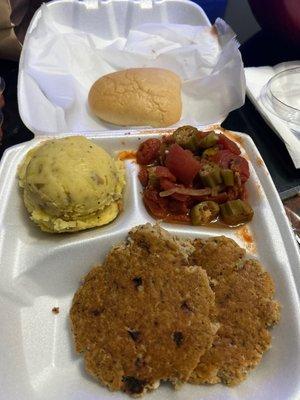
column 213, row 8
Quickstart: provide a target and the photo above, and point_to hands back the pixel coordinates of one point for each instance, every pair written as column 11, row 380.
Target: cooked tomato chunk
column 182, row 164
column 148, row 151
column 236, row 163
column 163, row 172
column 226, row 144
column 143, row 176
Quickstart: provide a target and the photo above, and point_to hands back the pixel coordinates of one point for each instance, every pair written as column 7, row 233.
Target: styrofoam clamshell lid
column 70, row 44
column 40, row 271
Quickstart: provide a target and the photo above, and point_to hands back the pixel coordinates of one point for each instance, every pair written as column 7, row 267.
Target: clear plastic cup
column 281, row 96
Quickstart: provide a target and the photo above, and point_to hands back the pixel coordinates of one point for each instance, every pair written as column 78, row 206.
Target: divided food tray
column 40, row 271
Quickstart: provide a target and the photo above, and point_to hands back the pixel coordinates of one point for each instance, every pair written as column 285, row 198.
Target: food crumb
column 55, row 310
column 259, row 161
column 127, row 155
column 245, row 235
column 258, row 188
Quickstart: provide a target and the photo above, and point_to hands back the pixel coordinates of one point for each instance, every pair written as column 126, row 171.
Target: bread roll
column 137, row 96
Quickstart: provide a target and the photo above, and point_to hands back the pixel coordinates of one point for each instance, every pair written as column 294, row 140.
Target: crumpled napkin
column 60, row 63
column 256, row 79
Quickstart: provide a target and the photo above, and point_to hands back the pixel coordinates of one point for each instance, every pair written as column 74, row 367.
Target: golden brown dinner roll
column 137, row 96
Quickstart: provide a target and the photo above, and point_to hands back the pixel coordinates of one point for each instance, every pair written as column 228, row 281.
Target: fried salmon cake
column 145, row 315
column 246, row 309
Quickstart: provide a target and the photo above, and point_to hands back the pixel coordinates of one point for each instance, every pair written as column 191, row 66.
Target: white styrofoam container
column 114, row 18
column 109, row 20
column 40, row 271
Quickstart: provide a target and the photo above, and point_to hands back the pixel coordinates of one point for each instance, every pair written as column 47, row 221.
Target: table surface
column 259, row 50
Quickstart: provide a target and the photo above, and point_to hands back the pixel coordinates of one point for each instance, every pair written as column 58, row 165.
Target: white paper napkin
column 256, row 79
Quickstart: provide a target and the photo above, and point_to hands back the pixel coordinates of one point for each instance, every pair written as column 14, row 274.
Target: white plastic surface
column 257, row 79
column 40, row 271
column 70, row 44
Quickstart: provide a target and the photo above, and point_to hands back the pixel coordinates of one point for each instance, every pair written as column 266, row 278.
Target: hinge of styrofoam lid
column 91, row 4
column 146, row 4
column 94, row 4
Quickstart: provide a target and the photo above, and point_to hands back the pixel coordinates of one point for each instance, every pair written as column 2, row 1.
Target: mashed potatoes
column 71, row 184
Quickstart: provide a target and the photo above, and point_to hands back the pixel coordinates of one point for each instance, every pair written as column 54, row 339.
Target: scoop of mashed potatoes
column 71, row 184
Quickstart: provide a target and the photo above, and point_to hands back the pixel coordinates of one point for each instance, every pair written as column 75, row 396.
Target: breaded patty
column 218, row 255
column 246, row 309
column 144, row 315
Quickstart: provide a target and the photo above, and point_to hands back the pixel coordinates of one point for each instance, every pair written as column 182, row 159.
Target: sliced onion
column 215, row 191
column 186, row 191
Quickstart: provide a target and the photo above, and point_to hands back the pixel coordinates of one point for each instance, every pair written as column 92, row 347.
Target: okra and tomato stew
column 194, row 177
